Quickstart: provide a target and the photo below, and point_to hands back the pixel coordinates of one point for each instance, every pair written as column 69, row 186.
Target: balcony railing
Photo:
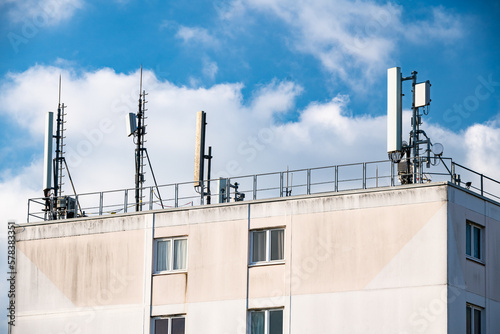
column 308, row 181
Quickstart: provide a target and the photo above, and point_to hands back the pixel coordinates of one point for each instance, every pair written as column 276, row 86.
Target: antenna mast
column 56, row 205
column 139, row 157
column 139, row 131
column 59, row 160
column 410, row 168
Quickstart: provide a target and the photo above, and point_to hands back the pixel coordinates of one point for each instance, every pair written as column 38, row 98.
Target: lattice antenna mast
column 59, row 160
column 139, row 150
column 57, row 206
column 136, row 126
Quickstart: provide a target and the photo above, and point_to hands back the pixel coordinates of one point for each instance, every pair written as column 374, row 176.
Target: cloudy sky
column 284, row 83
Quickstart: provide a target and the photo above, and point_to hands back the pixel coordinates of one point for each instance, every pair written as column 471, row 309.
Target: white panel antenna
column 422, row 94
column 394, row 110
column 47, row 157
column 199, row 154
column 131, row 123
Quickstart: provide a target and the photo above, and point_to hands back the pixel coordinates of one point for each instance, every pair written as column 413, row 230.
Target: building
column 418, row 258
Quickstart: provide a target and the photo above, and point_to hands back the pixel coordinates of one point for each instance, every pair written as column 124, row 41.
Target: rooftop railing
column 308, row 181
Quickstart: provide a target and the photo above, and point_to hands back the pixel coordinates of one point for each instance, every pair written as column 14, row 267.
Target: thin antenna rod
column 59, row 90
column 140, row 85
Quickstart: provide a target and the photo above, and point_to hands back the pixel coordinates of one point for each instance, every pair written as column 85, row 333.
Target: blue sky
column 312, row 73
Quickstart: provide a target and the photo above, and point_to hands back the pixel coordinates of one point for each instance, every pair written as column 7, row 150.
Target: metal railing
column 308, row 181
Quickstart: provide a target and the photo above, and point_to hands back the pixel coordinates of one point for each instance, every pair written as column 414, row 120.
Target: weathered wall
column 470, row 281
column 355, row 262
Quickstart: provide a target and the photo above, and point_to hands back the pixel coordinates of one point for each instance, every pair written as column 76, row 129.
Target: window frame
column 472, row 241
column 268, row 260
column 482, row 320
column 170, row 269
column 169, row 318
column 267, row 322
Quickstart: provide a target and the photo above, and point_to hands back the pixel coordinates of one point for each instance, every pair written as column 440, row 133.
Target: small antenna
column 199, row 159
column 59, row 90
column 140, row 85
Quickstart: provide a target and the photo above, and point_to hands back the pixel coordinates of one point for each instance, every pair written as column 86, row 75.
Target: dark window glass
column 468, row 239
column 468, row 321
column 477, row 243
column 161, row 326
column 276, row 322
column 257, row 322
column 477, row 322
column 178, row 325
column 259, row 246
column 277, row 238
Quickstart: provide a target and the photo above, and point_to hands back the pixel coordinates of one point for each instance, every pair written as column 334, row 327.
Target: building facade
column 419, row 258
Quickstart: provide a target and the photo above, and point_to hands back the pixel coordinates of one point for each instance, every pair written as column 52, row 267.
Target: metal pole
column 151, row 198
column 482, row 191
column 125, row 201
column 415, row 129
column 176, row 196
column 138, row 153
column 336, row 178
column 209, row 169
column 101, row 203
column 309, row 182
column 281, row 184
column 255, row 187
column 364, row 175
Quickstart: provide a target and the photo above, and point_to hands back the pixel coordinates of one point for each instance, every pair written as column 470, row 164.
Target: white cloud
column 352, row 39
column 442, row 26
column 43, row 13
column 196, row 35
column 210, row 69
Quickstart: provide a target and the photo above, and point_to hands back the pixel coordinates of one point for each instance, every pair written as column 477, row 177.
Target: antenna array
column 407, row 155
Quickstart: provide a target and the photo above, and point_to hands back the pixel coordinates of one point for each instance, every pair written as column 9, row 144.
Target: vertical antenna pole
column 209, row 169
column 58, row 144
column 138, row 153
column 415, row 131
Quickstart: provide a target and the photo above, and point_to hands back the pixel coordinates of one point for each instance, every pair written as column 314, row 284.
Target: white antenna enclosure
column 422, row 94
column 130, row 121
column 394, row 110
column 199, row 153
column 47, row 156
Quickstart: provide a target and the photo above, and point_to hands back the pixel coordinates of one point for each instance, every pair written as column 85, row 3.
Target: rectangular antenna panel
column 131, row 123
column 199, row 154
column 394, row 110
column 422, row 94
column 47, row 156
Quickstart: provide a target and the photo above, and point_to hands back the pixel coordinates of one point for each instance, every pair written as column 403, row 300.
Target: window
column 169, row 325
column 474, row 319
column 473, row 239
column 266, row 321
column 171, row 254
column 267, row 245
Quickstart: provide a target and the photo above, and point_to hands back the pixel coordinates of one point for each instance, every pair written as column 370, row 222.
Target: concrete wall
column 470, row 281
column 355, row 262
column 84, row 276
